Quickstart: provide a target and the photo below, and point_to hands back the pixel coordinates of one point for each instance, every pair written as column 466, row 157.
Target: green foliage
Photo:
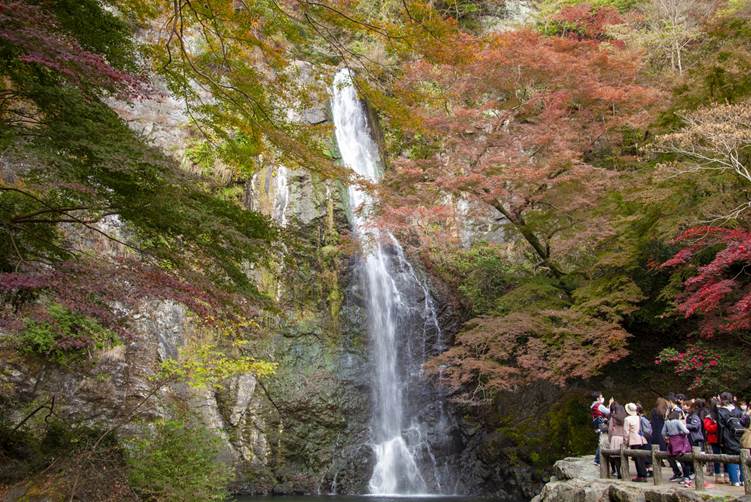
column 548, row 7
column 719, row 69
column 458, row 9
column 89, row 158
column 480, row 274
column 177, row 461
column 79, row 162
column 204, row 365
column 98, row 30
column 609, row 298
column 66, row 337
column 708, row 367
column 562, row 430
column 533, row 294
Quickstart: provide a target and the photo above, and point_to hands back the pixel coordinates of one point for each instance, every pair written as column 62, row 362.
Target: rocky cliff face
column 305, row 429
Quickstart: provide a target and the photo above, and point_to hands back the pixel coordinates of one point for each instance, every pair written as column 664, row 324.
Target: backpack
column 645, row 428
column 731, row 430
column 746, row 439
column 600, row 424
column 735, row 426
column 595, row 409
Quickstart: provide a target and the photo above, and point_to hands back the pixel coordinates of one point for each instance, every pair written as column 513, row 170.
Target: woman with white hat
column 635, row 440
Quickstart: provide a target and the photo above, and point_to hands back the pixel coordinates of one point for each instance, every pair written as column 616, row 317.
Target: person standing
column 616, row 433
column 646, row 432
column 677, row 436
column 712, row 428
column 731, row 428
column 695, row 424
column 657, row 419
column 600, row 414
column 635, row 440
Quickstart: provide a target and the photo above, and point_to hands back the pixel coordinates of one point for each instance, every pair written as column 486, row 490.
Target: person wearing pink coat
column 635, row 440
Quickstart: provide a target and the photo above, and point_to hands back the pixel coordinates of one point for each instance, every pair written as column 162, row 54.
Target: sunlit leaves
column 203, row 365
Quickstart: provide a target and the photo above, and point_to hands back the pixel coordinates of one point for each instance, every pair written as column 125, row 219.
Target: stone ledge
column 576, row 480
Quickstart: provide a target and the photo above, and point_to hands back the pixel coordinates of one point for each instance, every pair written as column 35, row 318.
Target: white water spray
column 396, row 471
column 281, row 200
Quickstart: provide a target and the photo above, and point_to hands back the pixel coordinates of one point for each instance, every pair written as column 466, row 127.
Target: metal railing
column 697, row 457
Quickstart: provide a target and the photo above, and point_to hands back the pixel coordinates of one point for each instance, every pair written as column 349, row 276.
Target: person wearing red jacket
column 600, row 415
column 712, row 429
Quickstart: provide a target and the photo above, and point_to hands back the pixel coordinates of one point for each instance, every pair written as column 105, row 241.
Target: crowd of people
column 676, row 424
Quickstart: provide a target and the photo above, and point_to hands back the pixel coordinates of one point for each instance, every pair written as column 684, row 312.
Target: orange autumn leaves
column 515, row 122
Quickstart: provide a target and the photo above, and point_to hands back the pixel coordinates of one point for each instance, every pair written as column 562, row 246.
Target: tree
column 666, row 29
column 711, row 284
column 178, row 460
column 496, row 354
column 716, row 140
column 93, row 221
column 674, row 24
column 720, row 290
column 515, row 125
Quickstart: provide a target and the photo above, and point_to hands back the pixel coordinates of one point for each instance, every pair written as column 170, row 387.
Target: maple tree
column 506, row 353
column 82, row 183
column 524, row 125
column 718, row 291
column 36, row 37
column 515, row 125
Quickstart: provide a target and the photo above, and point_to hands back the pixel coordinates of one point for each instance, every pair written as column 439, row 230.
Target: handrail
column 697, row 457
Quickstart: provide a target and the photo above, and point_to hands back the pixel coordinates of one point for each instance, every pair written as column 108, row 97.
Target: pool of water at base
column 361, row 498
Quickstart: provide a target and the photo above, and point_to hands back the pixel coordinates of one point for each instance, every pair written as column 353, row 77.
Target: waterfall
column 281, row 200
column 394, row 296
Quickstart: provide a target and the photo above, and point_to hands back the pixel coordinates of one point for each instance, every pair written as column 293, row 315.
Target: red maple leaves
column 514, row 126
column 37, row 37
column 720, row 290
column 582, row 21
column 109, row 291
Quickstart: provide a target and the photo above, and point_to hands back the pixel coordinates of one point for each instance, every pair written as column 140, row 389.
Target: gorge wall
column 306, row 428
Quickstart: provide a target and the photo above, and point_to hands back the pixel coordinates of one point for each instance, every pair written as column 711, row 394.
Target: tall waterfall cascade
column 395, row 297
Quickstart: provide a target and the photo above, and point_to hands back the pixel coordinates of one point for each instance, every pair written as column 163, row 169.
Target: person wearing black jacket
column 729, row 420
column 694, row 423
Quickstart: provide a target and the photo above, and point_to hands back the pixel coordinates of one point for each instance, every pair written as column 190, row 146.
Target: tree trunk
column 530, row 237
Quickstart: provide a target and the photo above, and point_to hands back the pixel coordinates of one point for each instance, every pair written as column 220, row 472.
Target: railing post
column 625, row 468
column 746, row 471
column 698, row 468
column 656, row 465
column 604, row 465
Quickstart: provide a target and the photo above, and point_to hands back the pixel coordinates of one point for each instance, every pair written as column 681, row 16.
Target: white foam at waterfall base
column 396, row 471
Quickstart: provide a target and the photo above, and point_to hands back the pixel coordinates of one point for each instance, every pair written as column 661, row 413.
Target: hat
column 631, row 409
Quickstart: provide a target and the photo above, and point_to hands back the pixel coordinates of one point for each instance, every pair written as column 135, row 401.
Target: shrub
column 64, row 336
column 177, row 461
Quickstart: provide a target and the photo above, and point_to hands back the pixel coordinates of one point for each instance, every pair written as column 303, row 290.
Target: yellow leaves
column 217, row 351
column 205, row 364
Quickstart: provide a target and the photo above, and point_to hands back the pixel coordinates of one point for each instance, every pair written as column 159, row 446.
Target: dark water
column 361, row 498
